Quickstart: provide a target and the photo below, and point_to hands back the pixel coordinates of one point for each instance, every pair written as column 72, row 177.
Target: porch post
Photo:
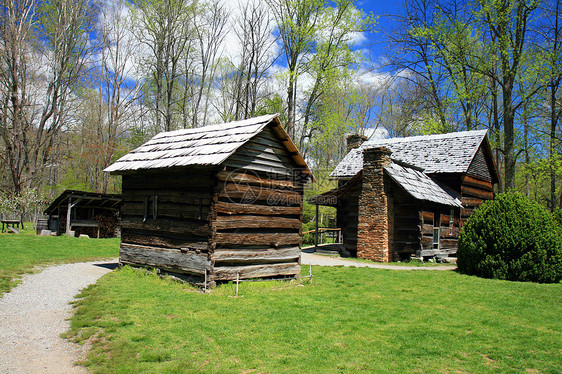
column 68, row 211
column 316, row 232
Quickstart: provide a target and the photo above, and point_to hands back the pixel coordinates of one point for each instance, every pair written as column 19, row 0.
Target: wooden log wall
column 264, row 153
column 256, row 226
column 257, row 212
column 165, row 221
column 474, row 191
column 449, row 234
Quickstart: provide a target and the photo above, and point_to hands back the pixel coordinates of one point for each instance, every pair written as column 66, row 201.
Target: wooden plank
column 259, row 167
column 248, row 159
column 251, row 193
column 427, row 217
column 193, row 196
column 465, row 213
column 256, row 146
column 269, row 139
column 475, row 192
column 271, row 240
column 256, row 256
column 160, row 239
column 427, row 229
column 173, row 210
column 165, row 258
column 262, row 210
column 478, row 183
column 185, row 227
column 255, row 271
column 448, row 243
column 255, row 180
column 471, row 202
column 256, row 222
column 264, row 155
column 159, row 181
column 427, row 242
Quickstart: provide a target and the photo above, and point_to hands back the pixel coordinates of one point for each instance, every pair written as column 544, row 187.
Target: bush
column 308, row 239
column 511, row 238
column 558, row 216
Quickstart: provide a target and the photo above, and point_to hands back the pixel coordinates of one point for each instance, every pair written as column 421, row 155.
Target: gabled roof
column 420, row 186
column 443, row 153
column 203, row 146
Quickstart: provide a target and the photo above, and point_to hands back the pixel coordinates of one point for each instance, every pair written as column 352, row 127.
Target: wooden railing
column 319, row 235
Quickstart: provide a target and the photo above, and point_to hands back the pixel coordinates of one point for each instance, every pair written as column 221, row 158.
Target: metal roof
column 203, row 146
column 443, row 153
column 420, row 186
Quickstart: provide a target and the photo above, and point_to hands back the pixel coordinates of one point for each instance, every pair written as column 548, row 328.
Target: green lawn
column 21, row 253
column 348, row 320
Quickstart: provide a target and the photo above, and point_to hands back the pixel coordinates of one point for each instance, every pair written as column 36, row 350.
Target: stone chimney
column 354, row 141
column 374, row 230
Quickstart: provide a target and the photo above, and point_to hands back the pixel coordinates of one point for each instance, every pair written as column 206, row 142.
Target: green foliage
column 558, row 216
column 511, row 238
column 348, row 320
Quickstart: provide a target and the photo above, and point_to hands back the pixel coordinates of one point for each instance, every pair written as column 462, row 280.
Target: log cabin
column 214, row 203
column 409, row 197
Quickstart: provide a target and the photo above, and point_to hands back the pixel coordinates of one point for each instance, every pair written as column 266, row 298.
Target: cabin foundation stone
column 373, row 226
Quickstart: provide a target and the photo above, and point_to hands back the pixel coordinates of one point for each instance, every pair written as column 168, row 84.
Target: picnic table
column 11, row 225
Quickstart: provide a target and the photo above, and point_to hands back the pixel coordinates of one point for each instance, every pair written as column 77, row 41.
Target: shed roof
column 87, row 199
column 442, row 153
column 420, row 186
column 414, row 182
column 203, row 146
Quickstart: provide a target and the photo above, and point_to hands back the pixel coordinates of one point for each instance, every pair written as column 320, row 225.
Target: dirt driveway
column 323, row 260
column 35, row 313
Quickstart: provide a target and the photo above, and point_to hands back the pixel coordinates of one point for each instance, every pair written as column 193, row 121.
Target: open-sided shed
column 215, row 202
column 81, row 212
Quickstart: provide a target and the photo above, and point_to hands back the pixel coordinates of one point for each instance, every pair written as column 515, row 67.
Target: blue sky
column 382, row 9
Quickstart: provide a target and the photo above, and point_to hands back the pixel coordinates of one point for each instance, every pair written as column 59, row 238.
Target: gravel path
column 35, row 313
column 314, row 259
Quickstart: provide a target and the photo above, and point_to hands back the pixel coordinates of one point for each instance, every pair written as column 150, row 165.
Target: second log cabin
column 404, row 197
column 216, row 202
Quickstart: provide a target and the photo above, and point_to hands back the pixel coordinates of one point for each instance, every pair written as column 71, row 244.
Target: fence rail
column 320, row 235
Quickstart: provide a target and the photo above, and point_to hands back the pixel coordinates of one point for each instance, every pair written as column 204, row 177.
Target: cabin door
column 436, row 229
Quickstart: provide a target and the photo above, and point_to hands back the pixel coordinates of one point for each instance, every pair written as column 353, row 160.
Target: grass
column 348, row 320
column 22, row 253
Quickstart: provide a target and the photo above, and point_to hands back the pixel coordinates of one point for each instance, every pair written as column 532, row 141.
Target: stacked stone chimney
column 373, row 227
column 354, row 141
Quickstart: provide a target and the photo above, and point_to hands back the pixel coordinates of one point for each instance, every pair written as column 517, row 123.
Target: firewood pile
column 107, row 225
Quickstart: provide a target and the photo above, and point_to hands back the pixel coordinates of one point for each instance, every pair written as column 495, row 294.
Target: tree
column 551, row 32
column 36, row 97
column 118, row 48
column 508, row 23
column 254, row 35
column 210, row 32
column 296, row 22
column 165, row 29
column 415, row 56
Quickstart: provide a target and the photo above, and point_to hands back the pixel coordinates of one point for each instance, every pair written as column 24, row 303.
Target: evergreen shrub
column 511, row 238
